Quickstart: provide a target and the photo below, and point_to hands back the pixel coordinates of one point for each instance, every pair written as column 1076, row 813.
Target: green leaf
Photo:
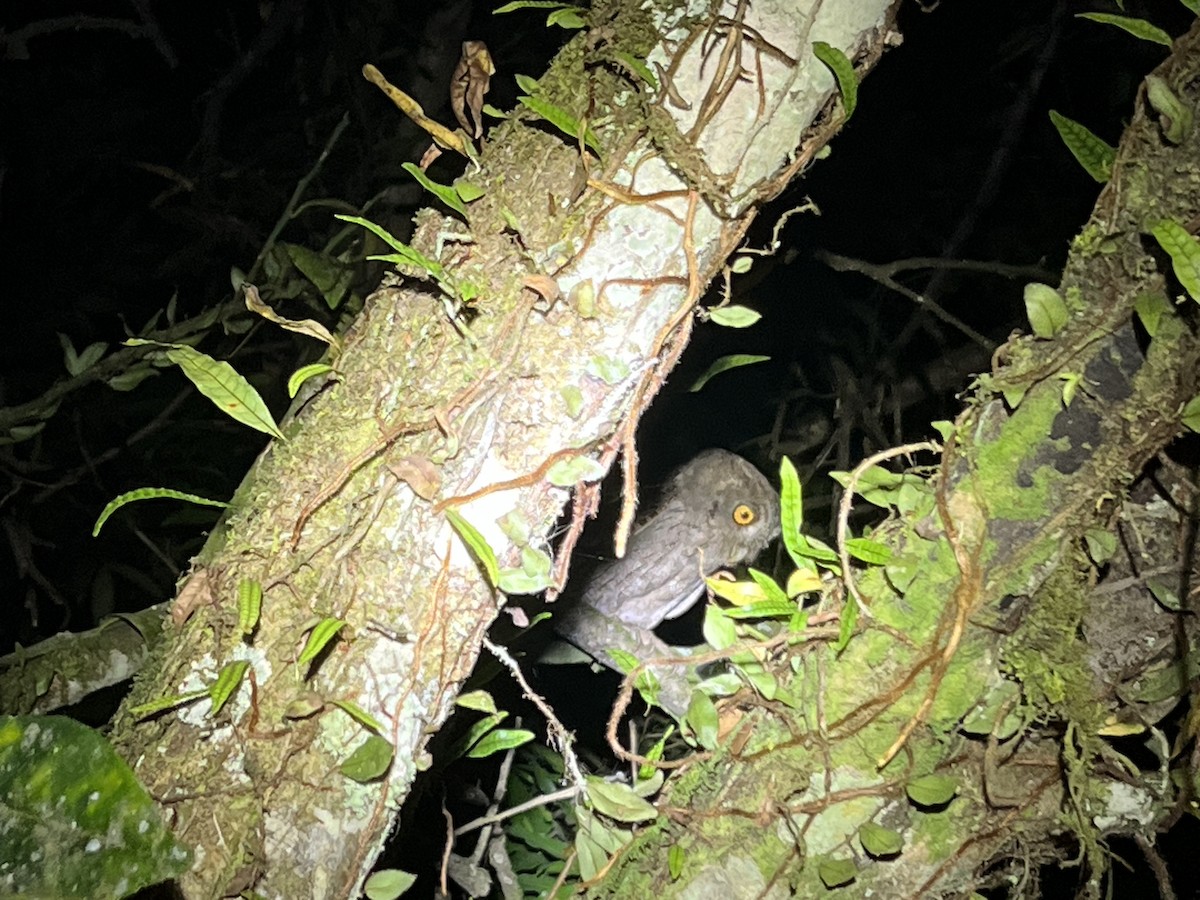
column 739, row 593
column 164, row 703
column 871, row 552
column 791, row 509
column 331, row 277
column 876, row 485
column 527, row 84
column 1174, row 116
column 360, row 715
column 573, row 397
column 846, row 623
column 567, row 17
column 500, row 740
column 1191, row 414
column 843, row 71
column 880, row 841
column 836, row 872
column 76, row 821
column 560, row 119
column 815, row 548
column 758, row 678
column 719, row 631
column 724, row 364
column 770, row 588
column 528, row 4
column 405, row 255
column 931, row 790
column 1139, row 28
column 478, row 545
column 608, row 369
column 638, row 67
column 304, row 373
column 1193, row 5
column 148, row 493
column 443, row 192
column 703, row 720
column 388, row 884
column 519, row 581
column 226, row 388
column 77, row 364
column 1045, row 308
column 741, row 265
column 468, row 191
column 1101, row 544
column 1184, row 251
column 734, row 316
column 1164, row 595
column 229, row 679
column 369, row 760
column 480, row 701
column 618, row 801
column 762, row 609
column 250, row 596
column 569, row 472
column 676, row 856
column 220, row 382
column 474, row 733
column 1092, row 153
column 1150, row 308
column 319, row 637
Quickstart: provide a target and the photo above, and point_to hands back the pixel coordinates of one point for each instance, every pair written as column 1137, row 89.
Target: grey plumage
column 717, row 511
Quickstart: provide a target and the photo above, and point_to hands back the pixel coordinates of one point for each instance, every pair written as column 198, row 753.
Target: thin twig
column 558, row 732
column 847, row 501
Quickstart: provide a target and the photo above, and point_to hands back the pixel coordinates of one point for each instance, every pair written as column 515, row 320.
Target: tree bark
column 346, row 519
column 990, row 655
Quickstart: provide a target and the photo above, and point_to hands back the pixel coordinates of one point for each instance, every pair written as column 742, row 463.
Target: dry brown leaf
column 471, row 80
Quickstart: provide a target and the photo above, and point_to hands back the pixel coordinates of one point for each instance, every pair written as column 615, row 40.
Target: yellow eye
column 743, row 514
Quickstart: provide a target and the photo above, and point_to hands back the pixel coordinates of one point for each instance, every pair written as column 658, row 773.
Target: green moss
column 1047, row 657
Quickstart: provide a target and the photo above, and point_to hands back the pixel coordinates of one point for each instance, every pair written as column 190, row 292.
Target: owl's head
column 739, row 507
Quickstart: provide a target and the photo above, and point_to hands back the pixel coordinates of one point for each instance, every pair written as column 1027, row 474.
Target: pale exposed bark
column 328, row 529
column 989, row 650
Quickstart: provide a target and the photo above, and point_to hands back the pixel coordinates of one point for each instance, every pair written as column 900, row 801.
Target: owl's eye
column 743, row 514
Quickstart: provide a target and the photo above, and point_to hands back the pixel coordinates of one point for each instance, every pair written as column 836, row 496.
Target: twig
column 531, row 803
column 558, row 732
column 847, row 501
column 881, row 275
column 297, row 193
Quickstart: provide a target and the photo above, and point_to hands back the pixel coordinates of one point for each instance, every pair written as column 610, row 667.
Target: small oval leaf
column 734, row 316
column 500, row 740
column 1045, row 308
column 369, row 761
column 880, row 842
column 931, row 790
column 618, row 801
